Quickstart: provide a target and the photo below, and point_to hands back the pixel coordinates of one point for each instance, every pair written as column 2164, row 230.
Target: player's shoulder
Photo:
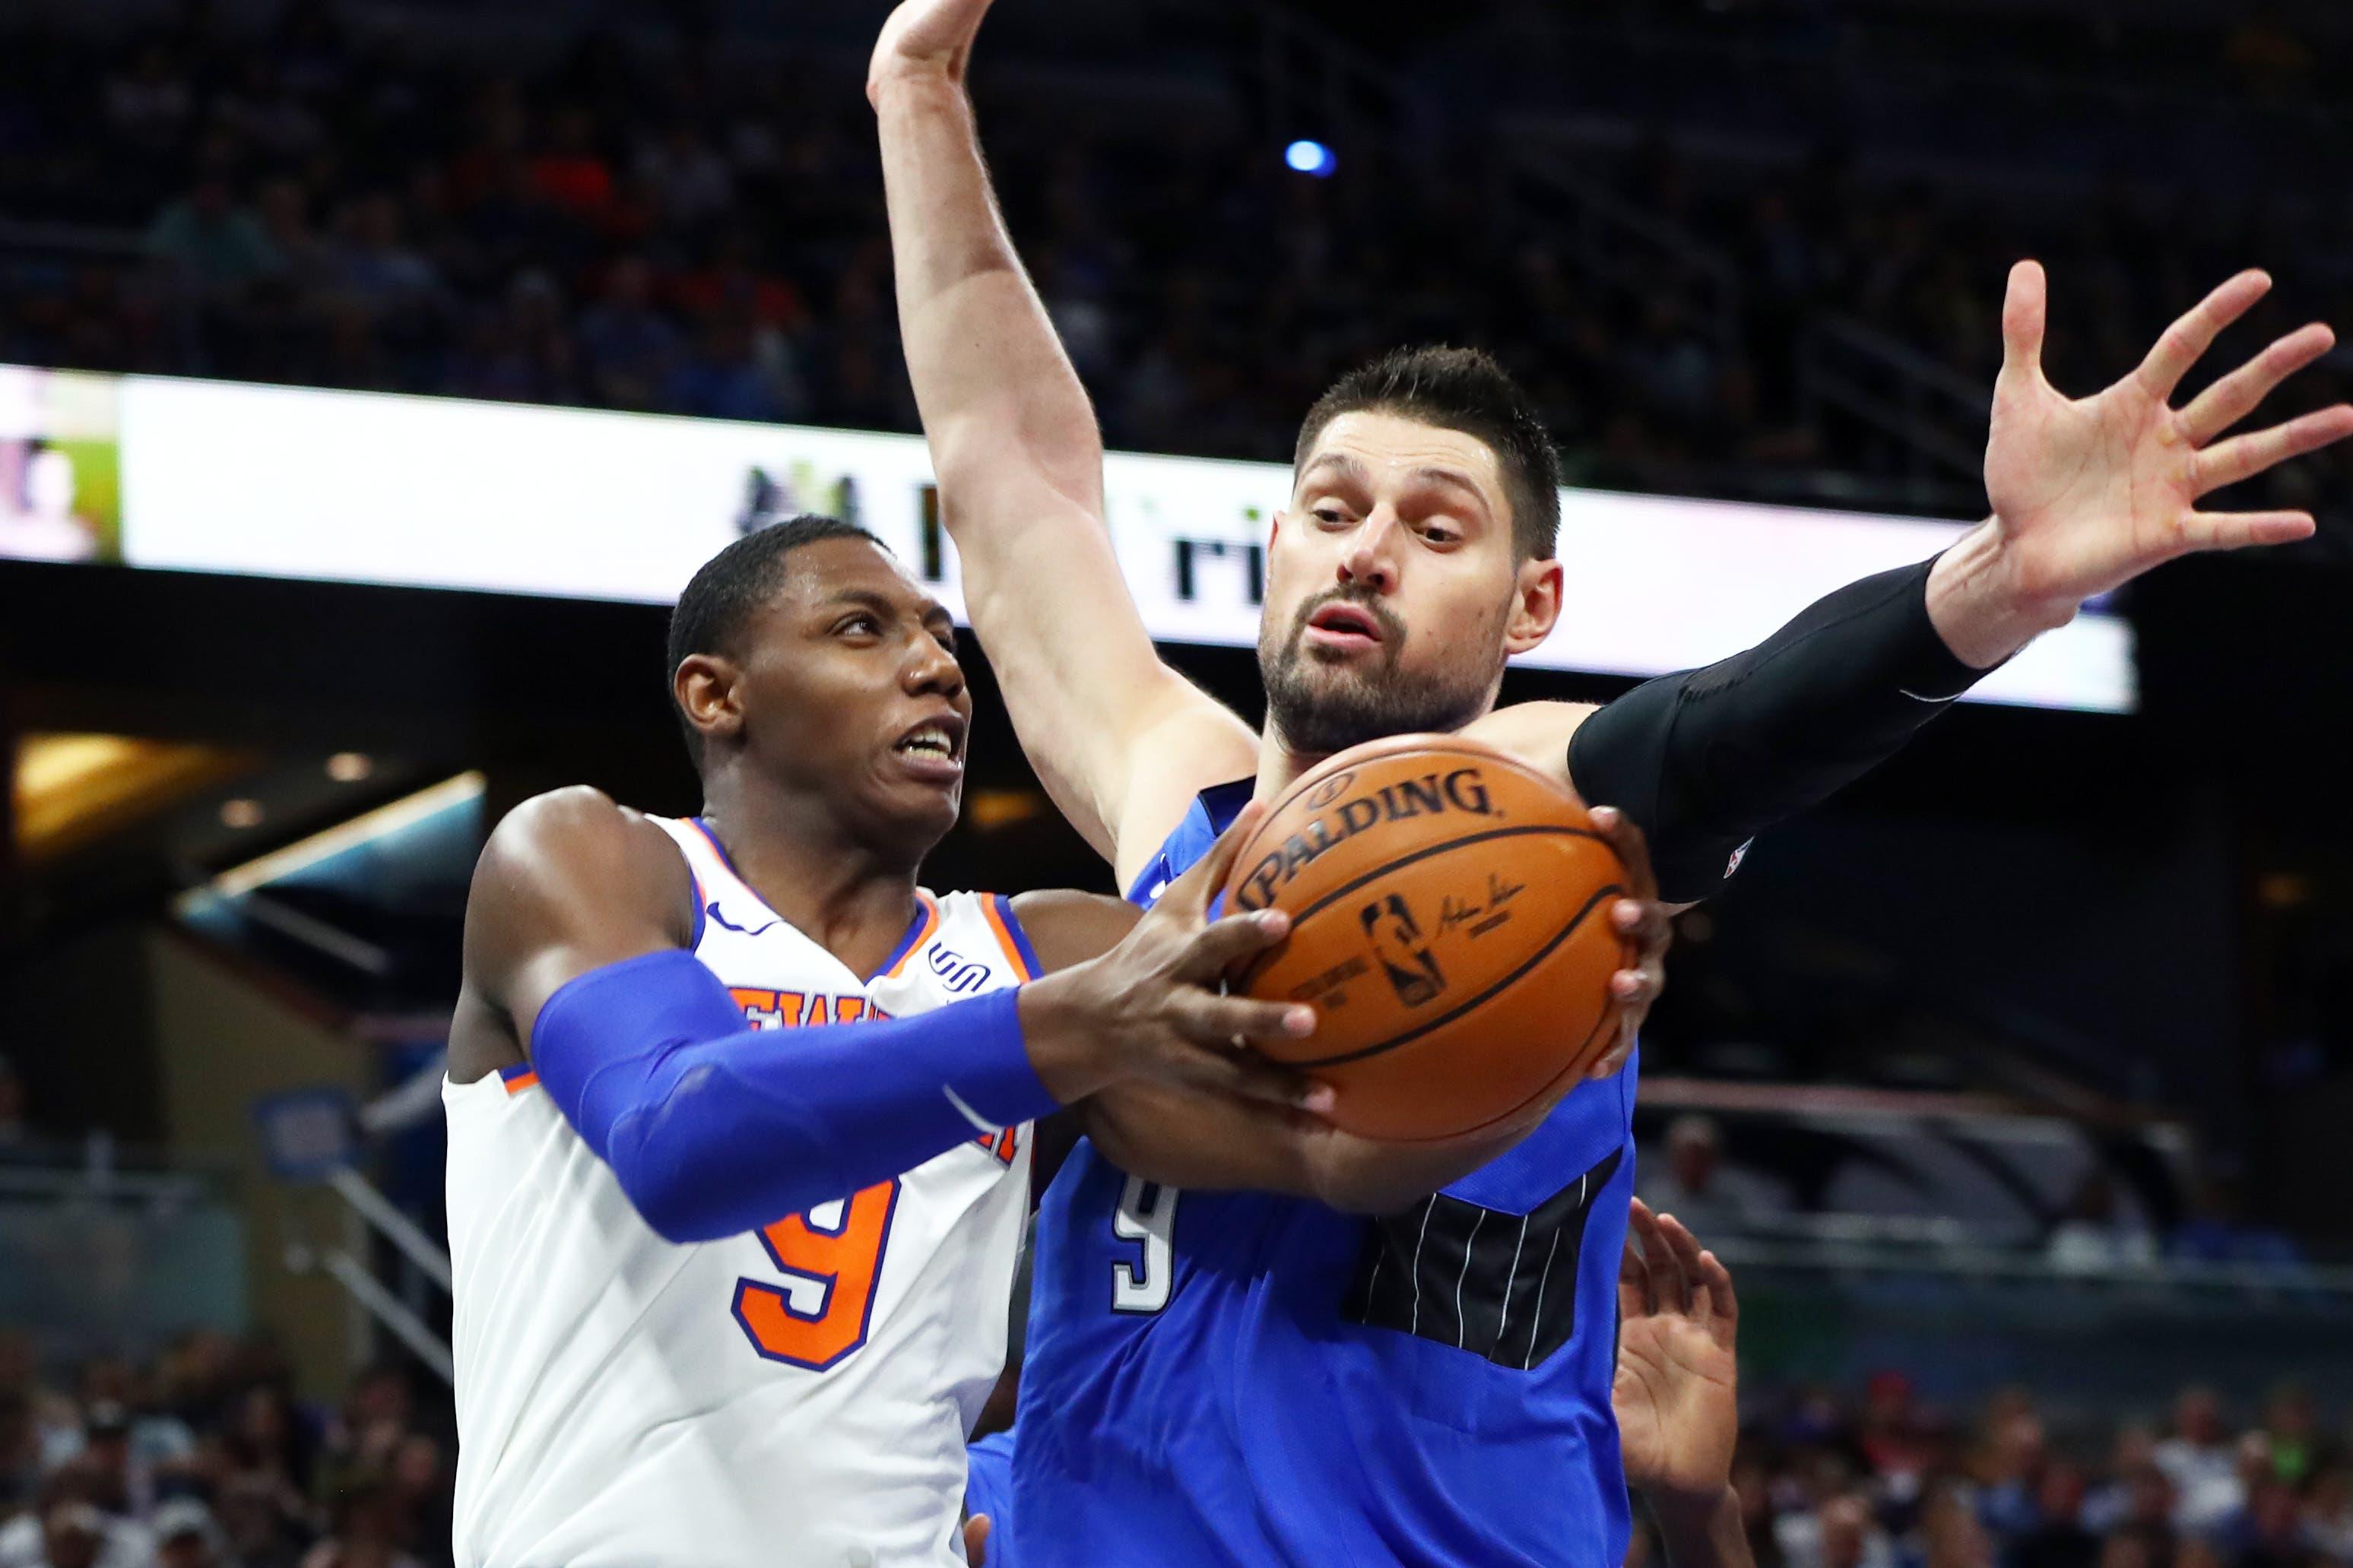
column 1066, row 927
column 577, row 841
column 1536, row 733
column 1203, row 745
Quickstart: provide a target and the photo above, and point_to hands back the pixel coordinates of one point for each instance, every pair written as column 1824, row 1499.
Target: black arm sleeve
column 1705, row 760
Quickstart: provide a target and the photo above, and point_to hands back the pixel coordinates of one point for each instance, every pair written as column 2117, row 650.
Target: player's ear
column 708, row 688
column 1536, row 606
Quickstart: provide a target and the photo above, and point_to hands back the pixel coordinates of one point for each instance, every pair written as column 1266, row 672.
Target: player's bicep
column 1066, row 927
column 569, row 882
column 1193, row 747
column 1537, row 734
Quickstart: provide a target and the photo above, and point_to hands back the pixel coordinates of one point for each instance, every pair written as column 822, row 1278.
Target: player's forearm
column 1703, row 1533
column 1980, row 609
column 994, row 385
column 1702, row 760
column 713, row 1130
column 1212, row 1142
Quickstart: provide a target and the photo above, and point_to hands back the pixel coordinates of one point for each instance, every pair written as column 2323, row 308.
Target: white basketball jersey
column 800, row 1396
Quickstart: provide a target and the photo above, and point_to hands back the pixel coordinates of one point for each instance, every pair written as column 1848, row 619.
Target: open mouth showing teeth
column 931, row 740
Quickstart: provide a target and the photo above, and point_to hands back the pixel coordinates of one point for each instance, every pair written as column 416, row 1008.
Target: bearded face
column 1394, row 588
column 1324, row 694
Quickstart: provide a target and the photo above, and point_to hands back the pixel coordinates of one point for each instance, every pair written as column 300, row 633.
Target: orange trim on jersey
column 520, row 1081
column 929, row 928
column 1004, row 939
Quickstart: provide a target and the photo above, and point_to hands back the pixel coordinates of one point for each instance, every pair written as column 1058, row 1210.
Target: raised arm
column 2088, row 494
column 1120, row 740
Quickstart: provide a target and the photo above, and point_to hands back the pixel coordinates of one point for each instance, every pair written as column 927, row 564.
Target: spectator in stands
column 1841, row 1532
column 2291, row 1424
column 2057, row 1539
column 1699, row 1188
column 2135, row 1492
column 366, row 1534
column 2329, row 1513
column 186, row 1537
column 66, row 1528
column 628, row 347
column 2200, row 1461
column 1951, row 1533
column 2098, row 1236
column 261, row 1529
column 212, row 245
column 722, row 376
column 1890, row 1435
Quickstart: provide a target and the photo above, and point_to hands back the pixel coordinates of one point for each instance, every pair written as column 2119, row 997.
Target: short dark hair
column 720, row 600
column 1465, row 390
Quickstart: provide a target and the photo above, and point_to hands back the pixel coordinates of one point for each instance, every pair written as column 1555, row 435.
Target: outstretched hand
column 2091, row 492
column 1675, row 1394
column 925, row 38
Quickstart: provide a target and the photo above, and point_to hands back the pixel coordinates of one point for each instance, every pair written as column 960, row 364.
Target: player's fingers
column 1724, row 1306
column 1633, row 1271
column 1632, row 1300
column 1633, row 989
column 1633, row 850
column 1686, row 1250
column 1211, row 1020
column 2210, row 530
column 2022, row 312
column 2234, row 396
column 1647, row 923
column 1193, row 892
column 2184, row 344
column 975, row 1540
column 1666, row 1272
column 1227, row 945
column 1622, row 1045
column 2243, row 456
column 1249, row 1076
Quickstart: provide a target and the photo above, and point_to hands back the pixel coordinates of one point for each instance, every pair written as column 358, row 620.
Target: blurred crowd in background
column 699, row 229
column 203, row 1457
column 1877, row 1478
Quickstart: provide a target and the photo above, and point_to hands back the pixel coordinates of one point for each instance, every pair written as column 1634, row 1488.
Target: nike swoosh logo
column 712, row 909
column 967, row 1113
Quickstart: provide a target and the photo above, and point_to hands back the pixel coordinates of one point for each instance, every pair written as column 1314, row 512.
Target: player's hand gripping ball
column 1450, row 923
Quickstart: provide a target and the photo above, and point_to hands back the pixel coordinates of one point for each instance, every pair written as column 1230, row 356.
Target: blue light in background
column 1310, row 158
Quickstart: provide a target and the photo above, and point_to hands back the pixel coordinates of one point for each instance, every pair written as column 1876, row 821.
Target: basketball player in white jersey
column 725, row 1297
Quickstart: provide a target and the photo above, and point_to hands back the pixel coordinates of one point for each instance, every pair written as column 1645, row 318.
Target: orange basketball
column 1450, row 913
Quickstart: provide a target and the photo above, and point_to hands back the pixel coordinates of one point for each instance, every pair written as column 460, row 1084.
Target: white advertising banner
column 436, row 492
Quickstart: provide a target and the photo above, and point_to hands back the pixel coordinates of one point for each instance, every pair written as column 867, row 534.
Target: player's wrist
column 915, row 81
column 1700, row 1528
column 1986, row 601
column 1064, row 1030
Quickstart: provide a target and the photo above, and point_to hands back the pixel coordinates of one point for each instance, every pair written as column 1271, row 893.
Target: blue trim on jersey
column 694, row 939
column 718, row 849
column 915, row 929
column 1021, row 938
column 906, row 942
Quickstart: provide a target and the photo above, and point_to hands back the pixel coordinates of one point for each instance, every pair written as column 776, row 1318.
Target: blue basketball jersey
column 1239, row 1377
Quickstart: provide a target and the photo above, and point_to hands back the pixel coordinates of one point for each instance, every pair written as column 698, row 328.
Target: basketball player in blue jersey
column 1242, row 1378
column 725, row 1295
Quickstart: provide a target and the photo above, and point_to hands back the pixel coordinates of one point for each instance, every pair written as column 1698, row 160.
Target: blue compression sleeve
column 715, row 1130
